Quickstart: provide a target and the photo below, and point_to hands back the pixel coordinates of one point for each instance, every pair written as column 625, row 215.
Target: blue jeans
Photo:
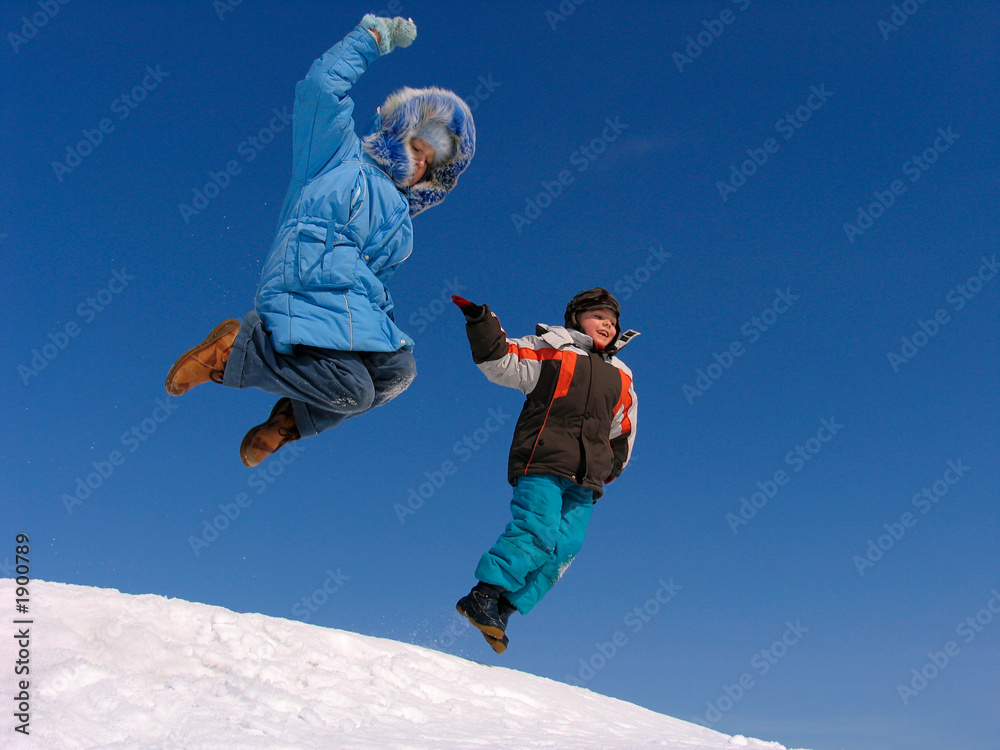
column 551, row 515
column 326, row 386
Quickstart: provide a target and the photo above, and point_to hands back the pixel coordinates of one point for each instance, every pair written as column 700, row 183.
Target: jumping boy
column 573, row 436
column 322, row 335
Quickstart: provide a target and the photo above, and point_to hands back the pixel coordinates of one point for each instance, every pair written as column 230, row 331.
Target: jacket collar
column 561, row 337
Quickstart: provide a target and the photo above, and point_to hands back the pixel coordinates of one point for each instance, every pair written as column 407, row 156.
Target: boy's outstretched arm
column 515, row 363
column 322, row 122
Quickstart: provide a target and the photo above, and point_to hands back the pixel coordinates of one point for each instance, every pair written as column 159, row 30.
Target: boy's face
column 599, row 324
column 423, row 156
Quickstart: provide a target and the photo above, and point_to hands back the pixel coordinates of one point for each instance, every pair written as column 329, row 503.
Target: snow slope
column 110, row 670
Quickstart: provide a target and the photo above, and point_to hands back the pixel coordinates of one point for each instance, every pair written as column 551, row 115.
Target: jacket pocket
column 326, row 258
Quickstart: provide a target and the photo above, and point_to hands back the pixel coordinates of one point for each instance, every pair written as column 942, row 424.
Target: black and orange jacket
column 578, row 420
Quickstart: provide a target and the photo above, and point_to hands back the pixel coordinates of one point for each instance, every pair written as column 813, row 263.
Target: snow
column 111, row 670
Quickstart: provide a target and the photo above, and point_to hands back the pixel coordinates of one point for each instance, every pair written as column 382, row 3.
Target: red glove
column 471, row 310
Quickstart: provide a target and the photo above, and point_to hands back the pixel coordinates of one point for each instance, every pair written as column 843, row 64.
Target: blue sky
column 797, row 205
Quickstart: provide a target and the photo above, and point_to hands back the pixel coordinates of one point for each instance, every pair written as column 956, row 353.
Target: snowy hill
column 111, row 670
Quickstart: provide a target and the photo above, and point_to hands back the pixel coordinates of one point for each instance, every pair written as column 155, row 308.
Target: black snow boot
column 505, row 610
column 481, row 607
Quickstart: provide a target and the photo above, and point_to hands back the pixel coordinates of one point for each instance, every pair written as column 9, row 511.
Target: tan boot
column 266, row 438
column 205, row 362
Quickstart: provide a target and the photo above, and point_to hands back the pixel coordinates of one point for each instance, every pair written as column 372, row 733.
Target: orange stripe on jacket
column 525, row 352
column 567, row 366
column 625, row 402
column 567, row 363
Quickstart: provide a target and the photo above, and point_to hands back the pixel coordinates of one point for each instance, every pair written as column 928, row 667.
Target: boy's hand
column 390, row 33
column 471, row 310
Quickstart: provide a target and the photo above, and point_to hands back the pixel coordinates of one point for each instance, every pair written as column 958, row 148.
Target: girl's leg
column 391, row 373
column 324, row 385
column 529, row 541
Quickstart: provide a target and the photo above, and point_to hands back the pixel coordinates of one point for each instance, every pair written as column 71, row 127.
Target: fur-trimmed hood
column 399, row 119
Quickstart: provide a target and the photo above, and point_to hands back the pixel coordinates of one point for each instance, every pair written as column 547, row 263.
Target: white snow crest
column 115, row 671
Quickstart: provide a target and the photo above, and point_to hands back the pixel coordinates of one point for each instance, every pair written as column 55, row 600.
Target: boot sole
column 217, row 333
column 497, row 644
column 248, row 438
column 487, row 630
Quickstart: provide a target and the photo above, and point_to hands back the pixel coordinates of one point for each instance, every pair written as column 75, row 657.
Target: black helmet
column 593, row 299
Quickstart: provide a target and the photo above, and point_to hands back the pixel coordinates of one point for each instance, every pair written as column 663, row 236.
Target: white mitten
column 393, row 32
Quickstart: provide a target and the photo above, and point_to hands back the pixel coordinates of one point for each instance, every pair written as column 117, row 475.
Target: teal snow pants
column 550, row 520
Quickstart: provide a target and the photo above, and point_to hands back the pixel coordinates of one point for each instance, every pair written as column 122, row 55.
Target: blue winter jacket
column 344, row 225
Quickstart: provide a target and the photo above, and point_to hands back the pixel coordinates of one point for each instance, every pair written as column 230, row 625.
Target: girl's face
column 423, row 156
column 600, row 325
